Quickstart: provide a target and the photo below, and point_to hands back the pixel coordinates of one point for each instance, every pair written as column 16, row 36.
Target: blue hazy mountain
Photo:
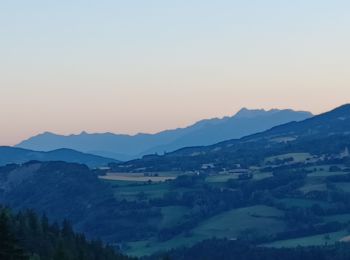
column 326, row 134
column 205, row 132
column 10, row 155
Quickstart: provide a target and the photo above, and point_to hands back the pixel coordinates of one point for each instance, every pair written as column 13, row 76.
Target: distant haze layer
column 204, row 132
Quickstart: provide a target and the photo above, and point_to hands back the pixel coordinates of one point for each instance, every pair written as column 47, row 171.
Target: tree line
column 25, row 235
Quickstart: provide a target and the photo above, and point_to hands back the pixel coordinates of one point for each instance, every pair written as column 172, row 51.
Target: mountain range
column 205, row 132
column 149, row 216
column 328, row 133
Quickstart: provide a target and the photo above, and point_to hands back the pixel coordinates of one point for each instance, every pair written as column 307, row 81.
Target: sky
column 132, row 66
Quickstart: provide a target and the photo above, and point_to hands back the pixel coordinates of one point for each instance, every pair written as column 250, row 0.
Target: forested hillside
column 26, row 235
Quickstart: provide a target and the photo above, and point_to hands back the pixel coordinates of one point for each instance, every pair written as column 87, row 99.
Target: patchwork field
column 146, row 190
column 137, row 177
column 297, row 157
column 317, row 240
column 303, row 203
column 256, row 220
column 148, row 247
column 249, row 222
column 344, row 186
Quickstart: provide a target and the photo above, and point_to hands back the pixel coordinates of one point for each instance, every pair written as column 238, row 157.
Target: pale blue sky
column 143, row 66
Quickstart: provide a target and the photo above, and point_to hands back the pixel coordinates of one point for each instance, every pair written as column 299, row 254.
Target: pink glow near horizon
column 73, row 66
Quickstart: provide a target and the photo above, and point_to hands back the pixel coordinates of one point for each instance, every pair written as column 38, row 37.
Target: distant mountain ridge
column 204, row 132
column 322, row 135
column 10, row 155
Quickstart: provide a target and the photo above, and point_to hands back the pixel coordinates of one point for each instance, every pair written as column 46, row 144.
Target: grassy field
column 322, row 171
column 131, row 190
column 148, row 247
column 172, row 215
column 229, row 224
column 342, row 218
column 220, row 178
column 303, row 203
column 262, row 175
column 313, row 187
column 260, row 219
column 344, row 186
column 115, row 183
column 315, row 180
column 297, row 157
column 137, row 177
column 250, row 222
column 327, row 238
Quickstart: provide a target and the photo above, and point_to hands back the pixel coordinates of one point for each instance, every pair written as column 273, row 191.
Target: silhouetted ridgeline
column 205, row 132
column 18, row 155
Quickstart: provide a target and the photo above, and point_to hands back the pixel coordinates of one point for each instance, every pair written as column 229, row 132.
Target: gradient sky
column 142, row 66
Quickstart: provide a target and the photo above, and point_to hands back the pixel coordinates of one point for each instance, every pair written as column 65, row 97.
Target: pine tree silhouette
column 9, row 248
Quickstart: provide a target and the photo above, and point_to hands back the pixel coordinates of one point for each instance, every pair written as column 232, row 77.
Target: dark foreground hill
column 26, row 235
column 19, row 155
column 325, row 134
column 205, row 132
column 74, row 192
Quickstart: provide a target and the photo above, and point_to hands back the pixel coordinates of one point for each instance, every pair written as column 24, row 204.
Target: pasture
column 297, row 157
column 260, row 220
column 317, row 240
column 137, row 177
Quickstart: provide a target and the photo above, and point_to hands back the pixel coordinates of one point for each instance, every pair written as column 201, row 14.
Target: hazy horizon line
column 170, row 128
column 164, row 129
